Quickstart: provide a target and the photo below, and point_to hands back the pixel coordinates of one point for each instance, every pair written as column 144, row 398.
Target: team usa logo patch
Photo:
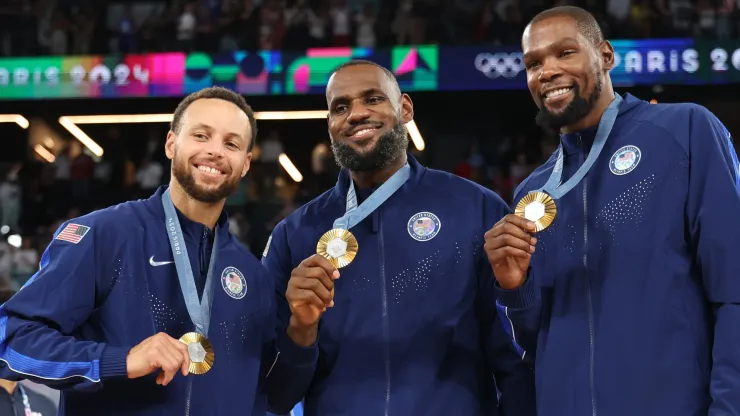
column 423, row 226
column 625, row 160
column 234, row 283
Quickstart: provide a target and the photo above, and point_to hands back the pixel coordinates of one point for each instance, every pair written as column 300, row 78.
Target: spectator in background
column 365, row 27
column 10, row 200
column 149, row 176
column 186, row 25
column 25, row 262
column 341, row 21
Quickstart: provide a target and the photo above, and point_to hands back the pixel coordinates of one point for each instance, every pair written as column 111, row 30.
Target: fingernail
column 531, row 249
column 331, row 304
column 534, row 241
column 324, row 310
column 335, row 274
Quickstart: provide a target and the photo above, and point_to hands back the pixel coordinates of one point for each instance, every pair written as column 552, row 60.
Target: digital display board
column 417, row 68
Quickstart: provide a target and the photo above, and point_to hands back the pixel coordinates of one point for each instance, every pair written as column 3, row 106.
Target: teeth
column 555, row 93
column 207, row 169
column 361, row 132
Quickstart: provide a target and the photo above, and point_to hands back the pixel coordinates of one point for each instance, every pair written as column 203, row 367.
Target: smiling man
column 410, row 327
column 130, row 296
column 630, row 304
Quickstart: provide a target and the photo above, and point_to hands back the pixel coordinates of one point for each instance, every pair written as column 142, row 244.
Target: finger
column 317, row 273
column 164, row 363
column 170, row 359
column 303, row 297
column 319, row 261
column 509, row 227
column 182, row 349
column 507, row 240
column 521, row 222
column 316, row 287
column 500, row 254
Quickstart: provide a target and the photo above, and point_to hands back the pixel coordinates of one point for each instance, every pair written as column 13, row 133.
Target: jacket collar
column 581, row 141
column 189, row 227
column 342, row 186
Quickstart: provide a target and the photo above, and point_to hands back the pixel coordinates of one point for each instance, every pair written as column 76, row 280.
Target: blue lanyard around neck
column 355, row 214
column 553, row 187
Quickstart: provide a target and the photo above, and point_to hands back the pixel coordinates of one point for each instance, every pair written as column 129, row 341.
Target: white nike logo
column 158, row 263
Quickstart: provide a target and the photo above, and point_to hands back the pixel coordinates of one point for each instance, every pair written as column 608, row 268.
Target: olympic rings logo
column 507, row 65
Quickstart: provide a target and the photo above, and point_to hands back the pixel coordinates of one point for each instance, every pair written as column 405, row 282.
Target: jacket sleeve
column 714, row 227
column 38, row 324
column 514, row 377
column 293, row 366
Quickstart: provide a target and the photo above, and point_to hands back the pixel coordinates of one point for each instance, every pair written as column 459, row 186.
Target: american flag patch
column 73, row 233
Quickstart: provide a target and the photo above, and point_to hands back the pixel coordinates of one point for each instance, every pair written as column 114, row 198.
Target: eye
column 232, row 145
column 339, row 109
column 200, row 136
column 532, row 65
column 567, row 53
column 375, row 100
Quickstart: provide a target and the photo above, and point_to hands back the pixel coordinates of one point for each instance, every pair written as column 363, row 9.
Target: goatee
column 209, row 196
column 389, row 148
column 576, row 110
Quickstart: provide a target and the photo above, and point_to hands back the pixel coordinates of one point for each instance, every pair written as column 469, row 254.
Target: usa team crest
column 423, row 226
column 625, row 160
column 234, row 283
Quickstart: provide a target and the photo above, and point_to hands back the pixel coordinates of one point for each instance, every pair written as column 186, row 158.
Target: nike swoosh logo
column 158, row 263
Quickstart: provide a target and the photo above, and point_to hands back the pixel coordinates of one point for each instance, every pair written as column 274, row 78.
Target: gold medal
column 200, row 352
column 539, row 208
column 338, row 246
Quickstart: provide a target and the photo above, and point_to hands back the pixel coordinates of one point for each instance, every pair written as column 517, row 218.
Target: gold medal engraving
column 338, row 246
column 539, row 208
column 200, row 352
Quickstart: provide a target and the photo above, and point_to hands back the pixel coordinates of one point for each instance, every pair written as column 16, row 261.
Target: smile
column 363, row 133
column 210, row 170
column 555, row 95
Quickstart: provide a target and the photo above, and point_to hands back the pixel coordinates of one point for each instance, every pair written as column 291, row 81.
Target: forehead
column 549, row 32
column 219, row 114
column 354, row 81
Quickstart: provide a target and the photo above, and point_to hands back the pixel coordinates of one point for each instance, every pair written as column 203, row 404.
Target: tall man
column 630, row 303
column 129, row 296
column 410, row 327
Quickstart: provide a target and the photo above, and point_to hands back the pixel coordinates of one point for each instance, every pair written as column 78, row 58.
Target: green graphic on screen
column 415, row 67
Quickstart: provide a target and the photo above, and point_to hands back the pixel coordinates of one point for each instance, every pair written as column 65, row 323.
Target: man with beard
column 410, row 327
column 630, row 304
column 129, row 296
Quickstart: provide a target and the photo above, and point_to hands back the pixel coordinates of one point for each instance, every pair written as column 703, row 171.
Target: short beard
column 578, row 108
column 390, row 146
column 208, row 196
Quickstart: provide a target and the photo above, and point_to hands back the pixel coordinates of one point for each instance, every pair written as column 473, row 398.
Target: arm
column 292, row 366
column 714, row 226
column 514, row 376
column 38, row 323
column 521, row 310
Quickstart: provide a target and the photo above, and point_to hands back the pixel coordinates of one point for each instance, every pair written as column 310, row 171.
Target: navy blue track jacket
column 414, row 330
column 107, row 282
column 632, row 304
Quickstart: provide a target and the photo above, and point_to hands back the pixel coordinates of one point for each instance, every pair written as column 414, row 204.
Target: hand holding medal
column 509, row 246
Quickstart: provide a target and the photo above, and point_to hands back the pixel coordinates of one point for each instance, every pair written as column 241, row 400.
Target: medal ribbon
column 26, row 402
column 355, row 214
column 200, row 312
column 605, row 127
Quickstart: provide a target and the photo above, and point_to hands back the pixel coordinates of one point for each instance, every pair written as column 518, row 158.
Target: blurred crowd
column 60, row 27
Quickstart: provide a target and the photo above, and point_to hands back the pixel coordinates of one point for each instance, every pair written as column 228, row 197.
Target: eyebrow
column 209, row 129
column 552, row 45
column 366, row 92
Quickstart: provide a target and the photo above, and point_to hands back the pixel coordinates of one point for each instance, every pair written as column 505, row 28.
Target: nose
column 215, row 147
column 550, row 71
column 358, row 112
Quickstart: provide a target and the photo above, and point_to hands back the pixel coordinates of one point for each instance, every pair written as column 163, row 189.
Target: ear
column 169, row 145
column 407, row 108
column 606, row 53
column 247, row 164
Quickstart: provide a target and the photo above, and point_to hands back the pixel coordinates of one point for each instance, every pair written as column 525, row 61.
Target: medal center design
column 196, row 352
column 336, row 248
column 534, row 211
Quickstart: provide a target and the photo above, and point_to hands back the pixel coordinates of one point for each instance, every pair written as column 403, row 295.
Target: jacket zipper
column 384, row 306
column 589, row 300
column 201, row 259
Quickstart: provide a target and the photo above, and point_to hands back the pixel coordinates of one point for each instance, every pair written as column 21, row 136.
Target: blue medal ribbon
column 199, row 311
column 553, row 187
column 355, row 214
